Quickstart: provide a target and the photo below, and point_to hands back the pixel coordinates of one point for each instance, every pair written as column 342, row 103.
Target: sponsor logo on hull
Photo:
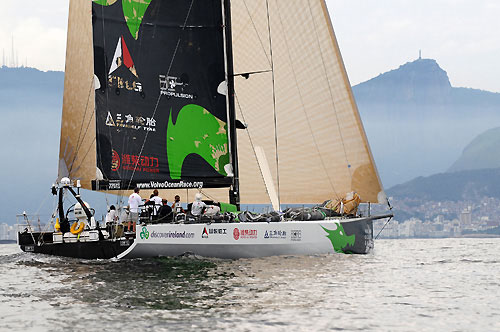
column 244, row 234
column 213, row 231
column 275, row 234
column 147, row 235
column 144, row 234
column 296, row 235
column 172, row 235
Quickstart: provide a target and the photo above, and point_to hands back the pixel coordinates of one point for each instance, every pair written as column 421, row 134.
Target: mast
column 234, row 191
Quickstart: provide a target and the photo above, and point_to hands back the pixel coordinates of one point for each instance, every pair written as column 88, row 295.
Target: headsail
column 321, row 149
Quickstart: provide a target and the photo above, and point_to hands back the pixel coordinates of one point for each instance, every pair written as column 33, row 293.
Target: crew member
column 165, row 212
column 111, row 217
column 198, row 206
column 134, row 201
column 177, row 206
column 156, row 201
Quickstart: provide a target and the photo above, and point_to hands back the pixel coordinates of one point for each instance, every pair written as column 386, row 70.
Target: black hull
column 104, row 249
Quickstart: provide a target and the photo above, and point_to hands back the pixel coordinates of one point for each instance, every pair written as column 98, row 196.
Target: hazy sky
column 374, row 36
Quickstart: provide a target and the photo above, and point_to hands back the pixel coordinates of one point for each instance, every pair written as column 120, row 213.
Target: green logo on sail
column 133, row 11
column 196, row 131
column 144, row 234
column 339, row 238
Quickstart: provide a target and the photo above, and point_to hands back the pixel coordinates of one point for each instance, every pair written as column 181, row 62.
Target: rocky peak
column 421, row 81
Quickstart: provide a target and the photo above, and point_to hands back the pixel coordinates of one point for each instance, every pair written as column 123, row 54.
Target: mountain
column 22, row 87
column 481, row 153
column 30, row 104
column 475, row 175
column 421, row 82
column 417, row 123
column 31, row 108
column 470, row 185
column 421, row 86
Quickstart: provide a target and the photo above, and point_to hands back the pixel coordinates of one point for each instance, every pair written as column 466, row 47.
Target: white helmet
column 198, row 197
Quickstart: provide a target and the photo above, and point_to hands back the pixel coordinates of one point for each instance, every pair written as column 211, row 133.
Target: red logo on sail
column 115, row 161
column 122, row 58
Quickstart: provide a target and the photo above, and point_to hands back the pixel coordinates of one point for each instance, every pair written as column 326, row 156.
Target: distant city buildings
column 7, row 232
column 441, row 219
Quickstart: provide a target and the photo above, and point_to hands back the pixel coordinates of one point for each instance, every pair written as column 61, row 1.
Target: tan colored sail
column 322, row 149
column 77, row 152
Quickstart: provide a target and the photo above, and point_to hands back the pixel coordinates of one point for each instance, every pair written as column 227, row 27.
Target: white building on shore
column 7, row 232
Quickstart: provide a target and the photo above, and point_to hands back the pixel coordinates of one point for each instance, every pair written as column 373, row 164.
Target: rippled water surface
column 405, row 285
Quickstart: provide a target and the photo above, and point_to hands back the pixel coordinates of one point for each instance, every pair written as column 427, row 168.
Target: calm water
column 405, row 285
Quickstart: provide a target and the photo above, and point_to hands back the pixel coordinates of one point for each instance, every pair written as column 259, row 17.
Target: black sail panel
column 161, row 104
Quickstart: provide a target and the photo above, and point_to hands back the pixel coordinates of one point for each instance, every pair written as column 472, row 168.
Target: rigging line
column 84, row 135
column 86, row 153
column 274, row 104
column 257, row 33
column 207, row 195
column 47, row 225
column 242, row 29
column 329, row 88
column 251, row 143
column 78, row 142
column 159, row 96
column 376, row 237
column 43, row 203
column 303, row 105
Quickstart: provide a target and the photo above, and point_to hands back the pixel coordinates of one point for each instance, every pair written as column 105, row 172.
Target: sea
column 403, row 285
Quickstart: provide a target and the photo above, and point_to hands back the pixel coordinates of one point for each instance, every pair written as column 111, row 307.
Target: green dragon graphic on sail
column 133, row 11
column 196, row 131
column 339, row 238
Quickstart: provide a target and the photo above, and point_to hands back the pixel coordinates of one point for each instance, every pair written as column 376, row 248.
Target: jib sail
column 292, row 90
